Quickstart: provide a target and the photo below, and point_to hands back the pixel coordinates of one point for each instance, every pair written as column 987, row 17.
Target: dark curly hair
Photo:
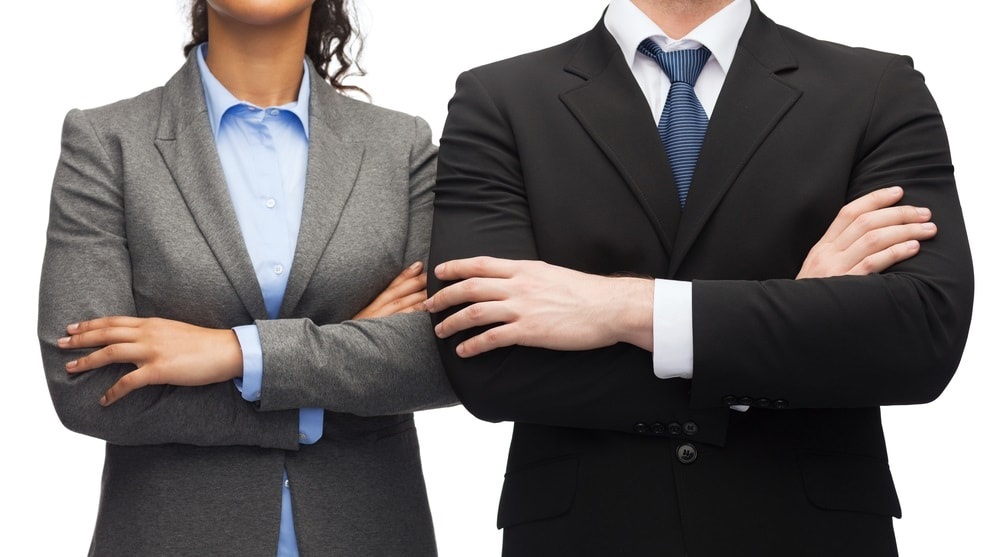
column 331, row 33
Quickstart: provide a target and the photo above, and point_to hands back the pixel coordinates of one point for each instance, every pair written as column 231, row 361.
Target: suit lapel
column 612, row 109
column 752, row 102
column 184, row 140
column 330, row 176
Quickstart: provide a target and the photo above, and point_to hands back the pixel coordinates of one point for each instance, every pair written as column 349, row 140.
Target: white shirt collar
column 720, row 33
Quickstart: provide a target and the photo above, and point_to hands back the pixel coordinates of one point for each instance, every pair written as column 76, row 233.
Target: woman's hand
column 165, row 352
column 404, row 294
column 868, row 236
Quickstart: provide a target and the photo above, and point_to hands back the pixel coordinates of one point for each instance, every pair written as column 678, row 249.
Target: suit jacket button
column 686, row 453
column 781, row 404
column 762, row 403
column 659, row 429
column 641, row 428
column 690, row 428
column 746, row 401
column 674, row 428
column 729, row 400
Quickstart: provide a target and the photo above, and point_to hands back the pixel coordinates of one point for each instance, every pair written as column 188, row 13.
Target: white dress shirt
column 673, row 342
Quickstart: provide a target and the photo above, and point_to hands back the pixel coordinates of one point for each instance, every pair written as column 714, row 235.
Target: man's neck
column 677, row 18
column 257, row 64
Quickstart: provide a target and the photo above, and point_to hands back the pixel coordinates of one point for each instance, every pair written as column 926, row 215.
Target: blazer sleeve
column 86, row 273
column 365, row 367
column 890, row 338
column 481, row 208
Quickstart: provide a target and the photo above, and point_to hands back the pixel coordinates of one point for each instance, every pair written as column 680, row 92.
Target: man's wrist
column 630, row 304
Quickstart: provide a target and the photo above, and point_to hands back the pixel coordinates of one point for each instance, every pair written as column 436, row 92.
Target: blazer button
column 690, row 428
column 729, row 400
column 674, row 428
column 746, row 401
column 687, row 454
column 781, row 404
column 640, row 428
column 659, row 429
column 762, row 403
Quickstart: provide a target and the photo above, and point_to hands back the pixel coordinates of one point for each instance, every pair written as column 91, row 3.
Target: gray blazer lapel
column 184, row 140
column 332, row 170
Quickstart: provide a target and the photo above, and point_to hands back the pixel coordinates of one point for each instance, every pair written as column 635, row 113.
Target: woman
column 257, row 237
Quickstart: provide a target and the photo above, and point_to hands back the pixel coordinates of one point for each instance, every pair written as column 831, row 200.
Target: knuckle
column 867, row 266
column 469, row 285
column 126, row 382
column 474, row 312
column 870, row 239
column 849, row 211
column 492, row 337
column 864, row 220
column 479, row 265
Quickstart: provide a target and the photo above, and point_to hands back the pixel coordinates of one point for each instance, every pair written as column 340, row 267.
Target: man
column 723, row 408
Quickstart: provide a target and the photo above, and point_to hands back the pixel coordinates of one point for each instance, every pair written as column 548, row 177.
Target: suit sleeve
column 86, row 273
column 891, row 338
column 481, row 208
column 366, row 367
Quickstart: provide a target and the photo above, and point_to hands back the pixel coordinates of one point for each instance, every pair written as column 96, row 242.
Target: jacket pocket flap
column 843, row 482
column 542, row 491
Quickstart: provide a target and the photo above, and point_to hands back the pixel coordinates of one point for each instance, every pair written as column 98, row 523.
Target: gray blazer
column 141, row 224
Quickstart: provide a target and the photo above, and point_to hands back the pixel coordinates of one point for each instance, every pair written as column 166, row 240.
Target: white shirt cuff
column 673, row 336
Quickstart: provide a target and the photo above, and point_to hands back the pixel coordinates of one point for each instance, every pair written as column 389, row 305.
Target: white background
column 61, row 54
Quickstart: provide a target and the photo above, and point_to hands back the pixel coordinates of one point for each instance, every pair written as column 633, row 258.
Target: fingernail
column 63, row 341
column 104, row 401
column 929, row 226
column 912, row 245
column 439, row 269
column 437, row 330
column 429, row 306
column 460, row 350
column 71, row 365
column 895, row 190
column 416, row 265
column 923, row 211
column 72, row 327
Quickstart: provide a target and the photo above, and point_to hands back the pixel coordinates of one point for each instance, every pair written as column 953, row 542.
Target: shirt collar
column 219, row 100
column 719, row 33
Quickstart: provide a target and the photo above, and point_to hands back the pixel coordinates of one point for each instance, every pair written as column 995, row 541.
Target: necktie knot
column 679, row 65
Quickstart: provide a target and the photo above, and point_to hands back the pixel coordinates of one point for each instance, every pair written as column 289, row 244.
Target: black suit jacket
column 554, row 156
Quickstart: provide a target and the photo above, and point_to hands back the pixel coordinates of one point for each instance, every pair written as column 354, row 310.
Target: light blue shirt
column 264, row 152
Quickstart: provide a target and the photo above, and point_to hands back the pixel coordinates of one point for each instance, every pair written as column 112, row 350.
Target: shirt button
column 287, row 485
column 252, row 108
column 256, row 395
column 278, row 269
column 270, row 203
column 302, row 436
column 273, row 112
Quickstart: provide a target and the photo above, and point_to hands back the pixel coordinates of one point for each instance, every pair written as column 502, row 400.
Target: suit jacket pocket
column 543, row 490
column 845, row 482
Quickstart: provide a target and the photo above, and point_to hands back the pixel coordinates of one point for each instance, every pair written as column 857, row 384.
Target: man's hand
column 165, row 352
column 541, row 305
column 868, row 236
column 404, row 294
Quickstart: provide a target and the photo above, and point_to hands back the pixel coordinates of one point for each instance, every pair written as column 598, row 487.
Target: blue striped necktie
column 683, row 121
